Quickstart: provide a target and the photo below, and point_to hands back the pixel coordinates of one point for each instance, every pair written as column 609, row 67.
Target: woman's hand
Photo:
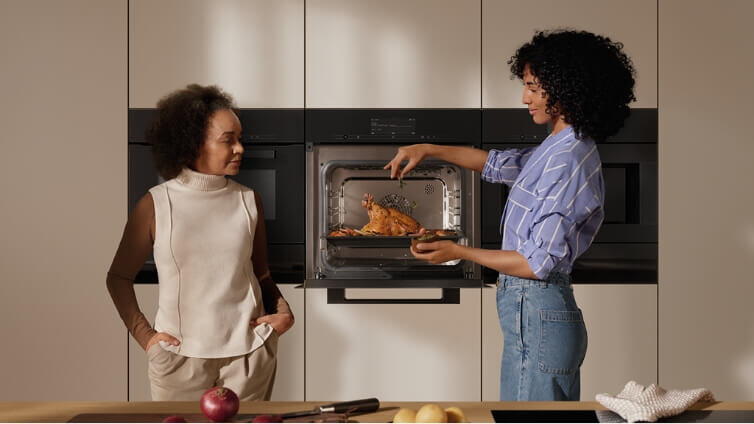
column 437, row 252
column 165, row 337
column 414, row 154
column 279, row 322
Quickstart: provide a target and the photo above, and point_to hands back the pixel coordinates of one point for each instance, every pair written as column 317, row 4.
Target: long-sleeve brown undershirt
column 136, row 246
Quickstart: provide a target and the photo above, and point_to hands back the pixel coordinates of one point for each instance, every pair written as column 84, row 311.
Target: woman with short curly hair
column 220, row 313
column 580, row 85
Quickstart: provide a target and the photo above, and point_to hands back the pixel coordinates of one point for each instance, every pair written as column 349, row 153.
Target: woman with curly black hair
column 220, row 313
column 580, row 85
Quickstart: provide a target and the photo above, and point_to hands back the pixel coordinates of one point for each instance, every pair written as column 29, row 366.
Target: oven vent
column 398, row 202
column 429, row 189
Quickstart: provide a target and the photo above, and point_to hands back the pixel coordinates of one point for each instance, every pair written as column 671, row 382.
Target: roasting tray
column 381, row 241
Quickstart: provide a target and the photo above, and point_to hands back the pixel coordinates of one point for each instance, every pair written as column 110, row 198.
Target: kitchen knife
column 350, row 407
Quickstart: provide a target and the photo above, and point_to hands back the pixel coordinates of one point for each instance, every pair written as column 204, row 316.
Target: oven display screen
column 394, row 126
column 263, row 182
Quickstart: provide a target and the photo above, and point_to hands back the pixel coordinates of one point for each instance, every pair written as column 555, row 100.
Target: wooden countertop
column 475, row 411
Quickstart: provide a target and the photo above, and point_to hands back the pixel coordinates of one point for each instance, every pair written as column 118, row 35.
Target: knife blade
column 351, row 407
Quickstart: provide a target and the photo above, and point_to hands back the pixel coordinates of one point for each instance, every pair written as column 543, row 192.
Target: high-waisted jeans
column 544, row 339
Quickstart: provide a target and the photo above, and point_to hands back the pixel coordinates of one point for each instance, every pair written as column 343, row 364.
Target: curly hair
column 179, row 127
column 588, row 79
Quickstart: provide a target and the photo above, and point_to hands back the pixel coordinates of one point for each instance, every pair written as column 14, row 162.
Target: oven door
column 275, row 172
column 625, row 248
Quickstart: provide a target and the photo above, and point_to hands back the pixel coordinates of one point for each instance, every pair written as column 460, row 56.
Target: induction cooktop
column 587, row 416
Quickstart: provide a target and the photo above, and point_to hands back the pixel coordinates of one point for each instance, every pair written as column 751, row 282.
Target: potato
column 405, row 415
column 431, row 413
column 455, row 415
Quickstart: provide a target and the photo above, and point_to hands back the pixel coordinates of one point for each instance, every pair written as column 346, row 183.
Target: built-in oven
column 374, row 313
column 272, row 165
column 346, row 154
column 625, row 248
column 342, row 179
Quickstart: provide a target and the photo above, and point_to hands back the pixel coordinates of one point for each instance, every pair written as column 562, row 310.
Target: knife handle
column 352, row 407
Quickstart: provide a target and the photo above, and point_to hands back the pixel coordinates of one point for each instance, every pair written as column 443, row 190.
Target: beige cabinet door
column 492, row 346
column 621, row 322
column 393, row 54
column 138, row 381
column 706, row 224
column 509, row 24
column 392, row 351
column 289, row 379
column 253, row 49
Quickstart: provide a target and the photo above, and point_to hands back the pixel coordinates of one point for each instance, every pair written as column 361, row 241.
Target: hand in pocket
column 165, row 337
column 279, row 322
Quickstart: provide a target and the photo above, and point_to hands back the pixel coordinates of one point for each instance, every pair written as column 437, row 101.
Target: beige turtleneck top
column 203, row 231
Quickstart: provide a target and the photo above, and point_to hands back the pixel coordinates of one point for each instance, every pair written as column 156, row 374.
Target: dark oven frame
column 625, row 249
column 273, row 141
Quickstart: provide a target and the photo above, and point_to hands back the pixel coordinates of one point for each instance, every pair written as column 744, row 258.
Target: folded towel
column 637, row 403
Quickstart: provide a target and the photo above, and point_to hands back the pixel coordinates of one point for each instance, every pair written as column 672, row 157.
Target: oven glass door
column 625, row 248
column 276, row 173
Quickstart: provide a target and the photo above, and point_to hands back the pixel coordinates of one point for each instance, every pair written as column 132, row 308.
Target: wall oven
column 625, row 248
column 346, row 153
column 272, row 165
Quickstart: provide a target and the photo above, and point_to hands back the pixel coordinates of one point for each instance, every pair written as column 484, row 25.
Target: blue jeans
column 544, row 339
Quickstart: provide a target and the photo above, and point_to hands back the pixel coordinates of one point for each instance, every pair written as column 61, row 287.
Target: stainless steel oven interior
column 436, row 194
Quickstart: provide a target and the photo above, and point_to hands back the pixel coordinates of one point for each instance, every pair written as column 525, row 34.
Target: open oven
column 346, row 152
column 437, row 195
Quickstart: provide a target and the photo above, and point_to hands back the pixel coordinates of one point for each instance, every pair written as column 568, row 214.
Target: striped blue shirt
column 555, row 205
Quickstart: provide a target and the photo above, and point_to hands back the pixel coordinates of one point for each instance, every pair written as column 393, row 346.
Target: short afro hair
column 587, row 77
column 179, row 127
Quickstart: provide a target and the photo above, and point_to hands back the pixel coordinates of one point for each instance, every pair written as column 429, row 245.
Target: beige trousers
column 174, row 377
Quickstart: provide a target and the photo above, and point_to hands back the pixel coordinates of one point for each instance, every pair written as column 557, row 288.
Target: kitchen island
column 120, row 411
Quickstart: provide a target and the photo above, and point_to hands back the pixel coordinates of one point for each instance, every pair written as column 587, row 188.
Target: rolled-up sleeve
column 566, row 219
column 503, row 166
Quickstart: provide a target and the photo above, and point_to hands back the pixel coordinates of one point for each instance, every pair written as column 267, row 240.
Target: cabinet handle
column 450, row 296
column 259, row 154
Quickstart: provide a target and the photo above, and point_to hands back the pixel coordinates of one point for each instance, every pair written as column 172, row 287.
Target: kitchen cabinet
column 492, row 345
column 706, row 221
column 393, row 54
column 289, row 378
column 253, row 49
column 290, row 369
column 138, row 381
column 508, row 24
column 621, row 322
column 63, row 195
column 407, row 351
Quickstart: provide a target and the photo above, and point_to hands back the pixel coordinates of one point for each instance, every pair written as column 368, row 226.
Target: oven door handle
column 259, row 154
column 450, row 296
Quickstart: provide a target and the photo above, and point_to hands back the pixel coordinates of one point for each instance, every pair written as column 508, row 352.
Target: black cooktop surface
column 523, row 416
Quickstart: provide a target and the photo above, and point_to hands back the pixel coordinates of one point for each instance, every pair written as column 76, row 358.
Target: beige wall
column 63, row 178
column 254, row 49
column 706, row 326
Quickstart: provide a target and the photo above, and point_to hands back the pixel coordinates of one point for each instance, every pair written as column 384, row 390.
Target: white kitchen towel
column 637, row 403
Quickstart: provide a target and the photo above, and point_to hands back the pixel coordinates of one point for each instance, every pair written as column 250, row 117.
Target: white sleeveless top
column 208, row 293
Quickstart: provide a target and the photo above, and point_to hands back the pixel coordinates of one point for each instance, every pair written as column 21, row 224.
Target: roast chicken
column 387, row 221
